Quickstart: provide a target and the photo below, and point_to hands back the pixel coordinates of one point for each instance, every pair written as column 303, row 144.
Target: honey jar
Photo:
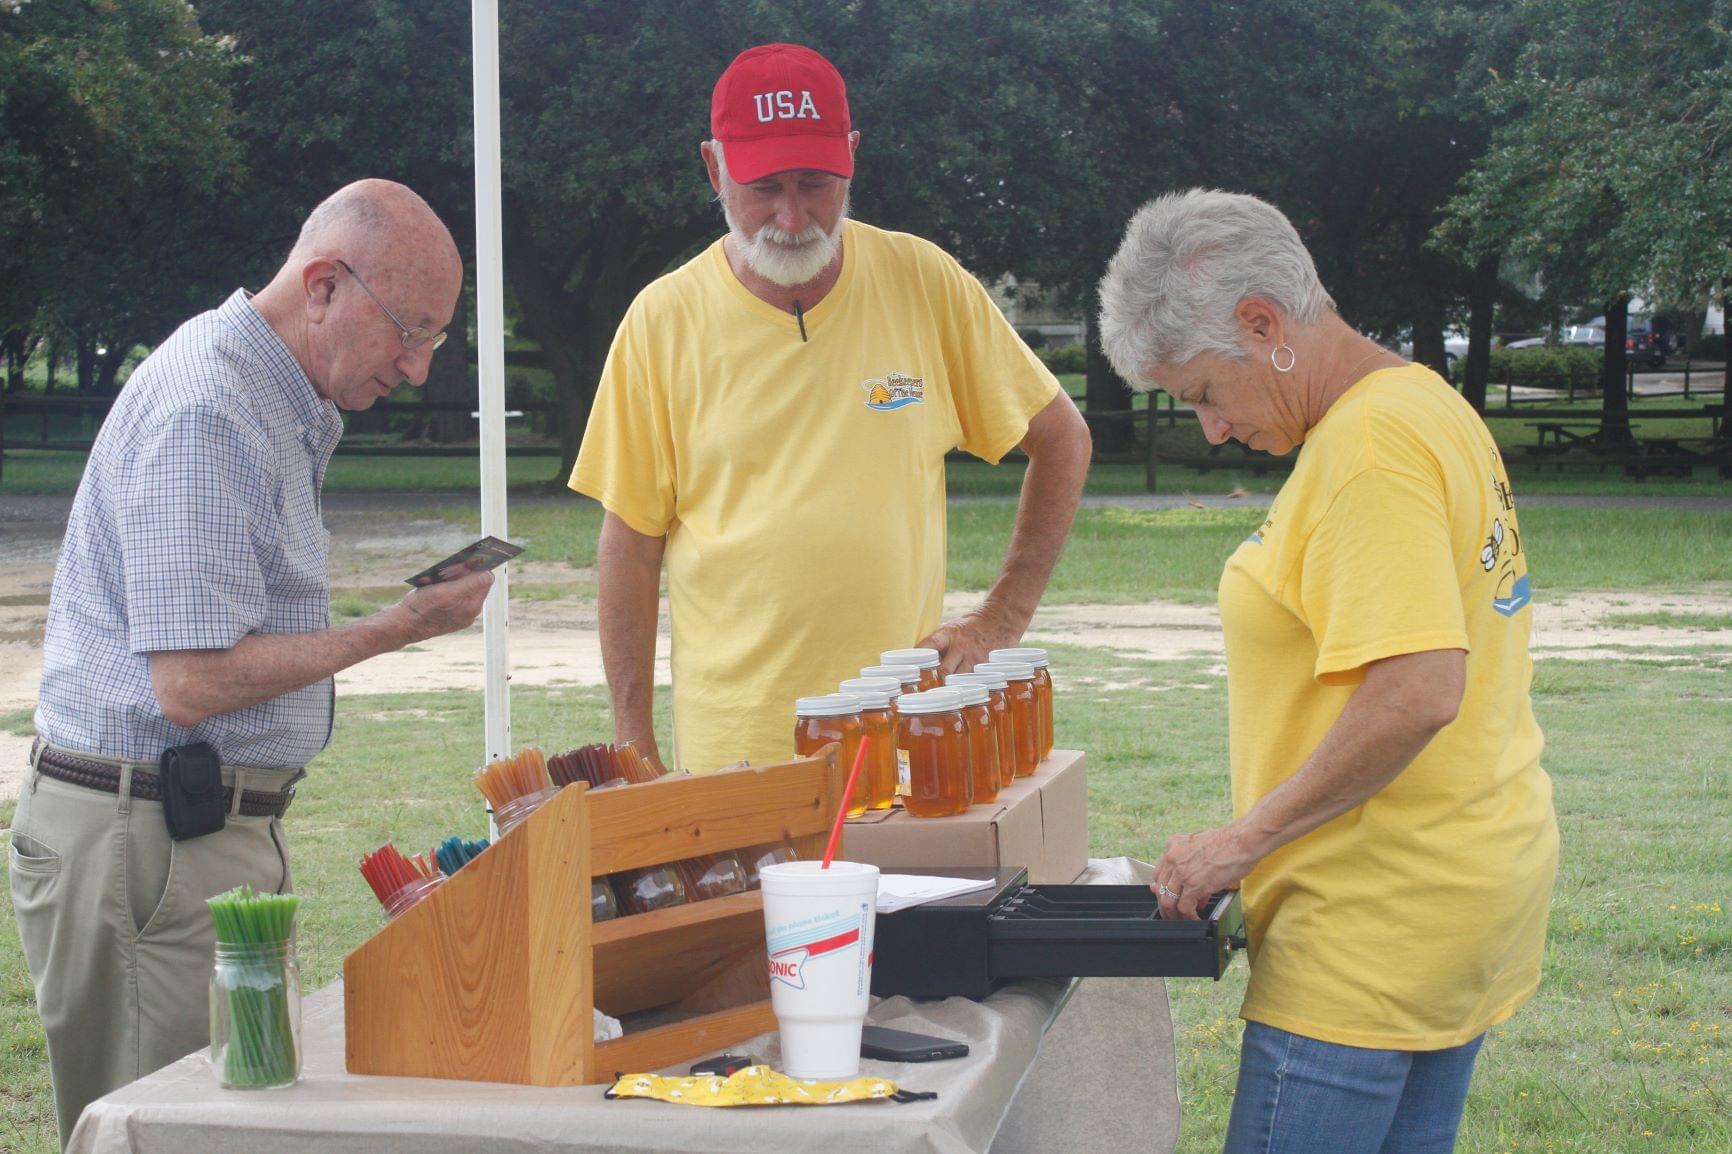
column 982, row 741
column 877, row 697
column 1003, row 723
column 907, row 675
column 1023, row 713
column 1042, row 688
column 822, row 720
column 931, row 730
column 924, row 660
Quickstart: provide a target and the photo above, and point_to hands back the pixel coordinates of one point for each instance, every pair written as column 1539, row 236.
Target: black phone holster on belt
column 192, row 790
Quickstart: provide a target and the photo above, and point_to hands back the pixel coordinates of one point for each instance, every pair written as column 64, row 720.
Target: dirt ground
column 554, row 642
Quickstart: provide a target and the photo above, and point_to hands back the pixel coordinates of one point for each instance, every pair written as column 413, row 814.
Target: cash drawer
column 970, row 944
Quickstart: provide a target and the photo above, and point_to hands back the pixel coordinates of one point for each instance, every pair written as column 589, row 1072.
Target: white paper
column 899, row 891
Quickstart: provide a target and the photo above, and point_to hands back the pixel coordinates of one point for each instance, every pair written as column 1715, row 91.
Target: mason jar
column 255, row 1015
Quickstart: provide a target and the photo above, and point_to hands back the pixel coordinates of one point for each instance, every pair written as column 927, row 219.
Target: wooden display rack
column 492, row 977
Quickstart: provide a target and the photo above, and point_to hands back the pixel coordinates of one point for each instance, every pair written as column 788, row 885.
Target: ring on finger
column 1162, row 890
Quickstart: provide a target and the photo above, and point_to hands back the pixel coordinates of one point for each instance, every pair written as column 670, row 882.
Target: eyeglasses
column 413, row 338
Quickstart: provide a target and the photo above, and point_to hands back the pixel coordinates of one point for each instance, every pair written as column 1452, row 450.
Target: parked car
column 1589, row 335
column 1644, row 343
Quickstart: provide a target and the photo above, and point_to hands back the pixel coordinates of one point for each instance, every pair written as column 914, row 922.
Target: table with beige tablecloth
column 1075, row 1066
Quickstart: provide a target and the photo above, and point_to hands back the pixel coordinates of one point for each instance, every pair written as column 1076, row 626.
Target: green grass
column 1668, row 619
column 1631, row 1031
column 1126, row 554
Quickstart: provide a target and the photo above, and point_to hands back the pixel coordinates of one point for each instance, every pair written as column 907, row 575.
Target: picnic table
column 1556, row 436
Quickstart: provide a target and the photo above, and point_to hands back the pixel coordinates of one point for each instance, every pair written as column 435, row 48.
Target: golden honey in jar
column 1042, row 688
column 908, row 676
column 982, row 741
column 1003, row 725
column 931, row 730
column 827, row 718
column 877, row 696
column 1023, row 712
column 924, row 660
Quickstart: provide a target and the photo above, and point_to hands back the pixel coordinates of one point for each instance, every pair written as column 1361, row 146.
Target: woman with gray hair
column 1393, row 833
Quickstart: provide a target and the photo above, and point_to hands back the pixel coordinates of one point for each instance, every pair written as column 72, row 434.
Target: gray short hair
column 1187, row 260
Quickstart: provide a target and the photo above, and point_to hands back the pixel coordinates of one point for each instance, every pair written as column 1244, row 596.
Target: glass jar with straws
column 255, row 991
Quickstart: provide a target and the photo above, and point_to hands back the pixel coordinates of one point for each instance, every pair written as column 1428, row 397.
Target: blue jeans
column 1298, row 1095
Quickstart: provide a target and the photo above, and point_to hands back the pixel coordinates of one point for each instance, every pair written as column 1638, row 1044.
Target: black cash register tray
column 970, row 944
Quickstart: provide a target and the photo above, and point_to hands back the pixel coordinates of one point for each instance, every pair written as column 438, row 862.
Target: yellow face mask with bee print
column 759, row 1086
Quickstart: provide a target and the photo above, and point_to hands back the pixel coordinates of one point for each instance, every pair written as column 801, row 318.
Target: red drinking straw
column 847, row 795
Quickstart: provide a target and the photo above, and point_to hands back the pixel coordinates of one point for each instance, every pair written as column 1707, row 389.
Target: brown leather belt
column 146, row 786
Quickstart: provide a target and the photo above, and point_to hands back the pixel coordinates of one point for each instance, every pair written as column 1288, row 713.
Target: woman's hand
column 1196, row 865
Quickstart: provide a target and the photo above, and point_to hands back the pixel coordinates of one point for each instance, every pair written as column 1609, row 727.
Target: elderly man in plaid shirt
column 192, row 604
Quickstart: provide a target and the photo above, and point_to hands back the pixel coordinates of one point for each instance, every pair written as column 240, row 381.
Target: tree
column 114, row 135
column 1608, row 171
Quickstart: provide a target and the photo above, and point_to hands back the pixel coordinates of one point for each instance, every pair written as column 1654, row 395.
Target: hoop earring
column 1292, row 358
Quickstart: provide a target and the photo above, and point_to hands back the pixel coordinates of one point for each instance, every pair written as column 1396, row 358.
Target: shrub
column 1033, row 338
column 1065, row 358
column 1711, row 347
column 1547, row 368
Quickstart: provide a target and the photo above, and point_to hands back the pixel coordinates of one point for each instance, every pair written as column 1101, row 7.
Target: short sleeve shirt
column 799, row 477
column 1417, row 920
column 197, row 523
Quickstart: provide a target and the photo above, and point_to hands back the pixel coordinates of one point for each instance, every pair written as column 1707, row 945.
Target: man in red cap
column 772, row 423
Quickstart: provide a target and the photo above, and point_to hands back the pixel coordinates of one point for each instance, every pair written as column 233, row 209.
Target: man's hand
column 1196, row 865
column 966, row 641
column 435, row 610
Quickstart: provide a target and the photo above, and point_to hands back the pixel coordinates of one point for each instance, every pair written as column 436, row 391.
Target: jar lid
column 904, row 674
column 1027, row 655
column 870, row 689
column 932, row 701
column 990, row 680
column 828, row 705
column 919, row 658
column 1013, row 670
column 973, row 692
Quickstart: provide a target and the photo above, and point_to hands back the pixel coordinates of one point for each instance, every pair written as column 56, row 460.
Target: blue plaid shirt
column 196, row 524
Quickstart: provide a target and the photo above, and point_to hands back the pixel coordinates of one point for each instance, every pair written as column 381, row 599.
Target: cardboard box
column 1039, row 821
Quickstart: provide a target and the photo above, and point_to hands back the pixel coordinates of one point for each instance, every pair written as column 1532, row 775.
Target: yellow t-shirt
column 1417, row 920
column 801, row 483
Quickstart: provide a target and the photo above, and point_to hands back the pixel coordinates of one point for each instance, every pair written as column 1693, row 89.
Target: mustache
column 811, row 234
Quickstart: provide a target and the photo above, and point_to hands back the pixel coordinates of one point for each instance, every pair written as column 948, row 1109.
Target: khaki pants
column 115, row 930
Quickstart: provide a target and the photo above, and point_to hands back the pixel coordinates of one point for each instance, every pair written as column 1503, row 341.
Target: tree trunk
column 13, row 343
column 1614, row 401
column 1482, row 306
column 1694, row 319
column 451, row 380
column 85, row 348
column 53, row 366
column 548, row 316
column 1428, row 347
column 108, row 367
column 1103, row 391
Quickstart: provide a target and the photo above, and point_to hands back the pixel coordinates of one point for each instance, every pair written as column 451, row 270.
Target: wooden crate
column 493, row 977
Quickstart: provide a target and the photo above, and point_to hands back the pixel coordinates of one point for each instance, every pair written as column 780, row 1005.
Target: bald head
column 373, row 263
column 379, row 226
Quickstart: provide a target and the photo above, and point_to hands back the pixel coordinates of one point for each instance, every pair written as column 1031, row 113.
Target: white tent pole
column 490, row 329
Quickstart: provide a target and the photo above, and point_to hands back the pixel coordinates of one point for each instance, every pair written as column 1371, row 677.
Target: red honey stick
column 847, row 795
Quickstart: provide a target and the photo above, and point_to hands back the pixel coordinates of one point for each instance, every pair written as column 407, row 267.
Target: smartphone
column 902, row 1046
column 723, row 1065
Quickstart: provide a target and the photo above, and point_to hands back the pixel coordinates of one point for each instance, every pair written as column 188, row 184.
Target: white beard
column 786, row 258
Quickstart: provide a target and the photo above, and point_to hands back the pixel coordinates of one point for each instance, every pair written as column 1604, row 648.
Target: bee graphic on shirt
column 1501, row 554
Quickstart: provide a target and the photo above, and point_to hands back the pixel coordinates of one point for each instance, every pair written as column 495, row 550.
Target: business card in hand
column 487, row 553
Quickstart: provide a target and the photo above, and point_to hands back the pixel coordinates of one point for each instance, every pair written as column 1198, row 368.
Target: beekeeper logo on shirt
column 893, row 391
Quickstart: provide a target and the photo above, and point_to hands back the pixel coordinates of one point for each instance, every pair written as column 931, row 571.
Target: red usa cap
column 780, row 107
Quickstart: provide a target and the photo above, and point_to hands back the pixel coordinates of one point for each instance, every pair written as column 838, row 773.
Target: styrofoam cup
column 819, row 925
